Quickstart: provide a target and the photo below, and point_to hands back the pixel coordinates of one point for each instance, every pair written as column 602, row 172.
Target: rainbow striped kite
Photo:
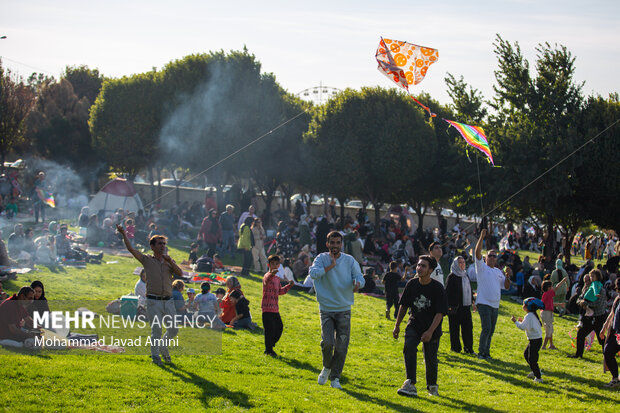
column 46, row 197
column 474, row 136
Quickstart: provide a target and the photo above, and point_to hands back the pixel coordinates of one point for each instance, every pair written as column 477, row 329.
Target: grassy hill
column 242, row 378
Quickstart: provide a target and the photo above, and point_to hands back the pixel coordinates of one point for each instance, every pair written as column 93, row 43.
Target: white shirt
column 490, row 284
column 242, row 218
column 471, row 272
column 437, row 274
column 140, row 291
column 285, row 274
column 531, row 325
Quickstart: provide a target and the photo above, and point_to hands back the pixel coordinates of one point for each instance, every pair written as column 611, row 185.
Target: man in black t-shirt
column 390, row 281
column 427, row 301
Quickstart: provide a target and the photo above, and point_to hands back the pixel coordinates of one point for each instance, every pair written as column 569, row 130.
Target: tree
column 86, row 82
column 535, row 121
column 598, row 175
column 125, row 121
column 16, row 101
column 58, row 126
column 367, row 141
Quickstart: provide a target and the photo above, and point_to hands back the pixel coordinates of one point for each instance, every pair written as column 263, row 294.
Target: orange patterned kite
column 405, row 63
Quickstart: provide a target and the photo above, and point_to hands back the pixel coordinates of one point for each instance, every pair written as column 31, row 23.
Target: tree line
column 374, row 144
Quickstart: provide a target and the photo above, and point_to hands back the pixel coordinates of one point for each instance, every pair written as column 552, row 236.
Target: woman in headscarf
column 559, row 300
column 210, row 231
column 460, row 302
column 39, row 304
column 322, row 229
column 304, row 231
column 227, row 306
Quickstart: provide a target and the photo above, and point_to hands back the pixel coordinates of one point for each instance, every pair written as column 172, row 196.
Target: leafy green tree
column 86, row 82
column 598, row 175
column 16, row 101
column 534, row 122
column 58, row 126
column 125, row 121
column 367, row 141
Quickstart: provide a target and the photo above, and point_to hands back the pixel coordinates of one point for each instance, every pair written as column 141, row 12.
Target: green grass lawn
column 242, row 378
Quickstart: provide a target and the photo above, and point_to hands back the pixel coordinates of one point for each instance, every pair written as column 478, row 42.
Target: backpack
column 204, row 264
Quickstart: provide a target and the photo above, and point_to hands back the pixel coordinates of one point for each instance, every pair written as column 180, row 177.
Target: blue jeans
column 335, row 332
column 243, row 323
column 488, row 319
column 228, row 242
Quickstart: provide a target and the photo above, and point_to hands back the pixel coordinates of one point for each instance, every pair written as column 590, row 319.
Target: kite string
column 230, row 155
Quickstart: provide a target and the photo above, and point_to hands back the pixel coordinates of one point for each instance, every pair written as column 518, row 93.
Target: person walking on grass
column 533, row 329
column 490, row 283
column 336, row 277
column 426, row 299
column 272, row 322
column 160, row 270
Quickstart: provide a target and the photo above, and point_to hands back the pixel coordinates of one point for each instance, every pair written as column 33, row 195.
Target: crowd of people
column 333, row 257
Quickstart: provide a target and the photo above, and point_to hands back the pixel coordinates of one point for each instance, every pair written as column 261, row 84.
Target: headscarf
column 235, row 284
column 456, row 270
column 39, row 305
column 559, row 264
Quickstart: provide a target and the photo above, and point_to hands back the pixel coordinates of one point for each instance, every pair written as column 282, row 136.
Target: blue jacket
column 334, row 289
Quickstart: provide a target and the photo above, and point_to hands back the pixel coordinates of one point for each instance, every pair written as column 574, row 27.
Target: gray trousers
column 335, row 333
column 155, row 310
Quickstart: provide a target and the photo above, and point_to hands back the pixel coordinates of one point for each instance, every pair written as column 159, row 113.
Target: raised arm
column 483, row 235
column 137, row 254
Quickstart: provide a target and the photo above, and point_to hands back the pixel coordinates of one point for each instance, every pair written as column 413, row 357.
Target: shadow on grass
column 25, row 351
column 208, row 388
column 377, row 401
column 302, row 294
column 296, row 364
column 500, row 370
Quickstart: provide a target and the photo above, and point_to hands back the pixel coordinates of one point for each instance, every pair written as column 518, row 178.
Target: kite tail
column 425, row 107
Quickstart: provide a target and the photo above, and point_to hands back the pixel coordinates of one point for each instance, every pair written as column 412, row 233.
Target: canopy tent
column 118, row 193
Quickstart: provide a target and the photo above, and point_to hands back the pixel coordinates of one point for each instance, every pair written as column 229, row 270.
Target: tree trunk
column 377, row 206
column 151, row 181
column 267, row 212
column 550, row 251
column 341, row 200
column 158, row 169
column 417, row 207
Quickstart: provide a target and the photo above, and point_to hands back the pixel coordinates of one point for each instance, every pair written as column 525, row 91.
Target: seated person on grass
column 208, row 307
column 243, row 319
column 193, row 253
column 14, row 315
column 177, row 295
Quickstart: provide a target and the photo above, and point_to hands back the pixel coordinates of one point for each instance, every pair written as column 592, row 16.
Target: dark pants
column 247, row 262
column 335, row 333
column 531, row 355
column 39, row 209
column 391, row 299
column 488, row 319
column 272, row 323
column 461, row 322
column 590, row 324
column 610, row 351
column 410, row 351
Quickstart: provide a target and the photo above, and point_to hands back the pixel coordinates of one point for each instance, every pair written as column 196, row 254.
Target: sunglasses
column 492, row 256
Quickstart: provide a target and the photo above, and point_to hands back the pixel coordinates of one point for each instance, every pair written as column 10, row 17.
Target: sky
column 307, row 44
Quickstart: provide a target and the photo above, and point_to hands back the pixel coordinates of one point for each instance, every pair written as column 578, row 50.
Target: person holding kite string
column 160, row 270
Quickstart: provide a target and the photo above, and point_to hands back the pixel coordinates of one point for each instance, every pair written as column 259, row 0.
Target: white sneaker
column 531, row 375
column 408, row 389
column 324, row 375
column 336, row 384
column 538, row 381
column 433, row 390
